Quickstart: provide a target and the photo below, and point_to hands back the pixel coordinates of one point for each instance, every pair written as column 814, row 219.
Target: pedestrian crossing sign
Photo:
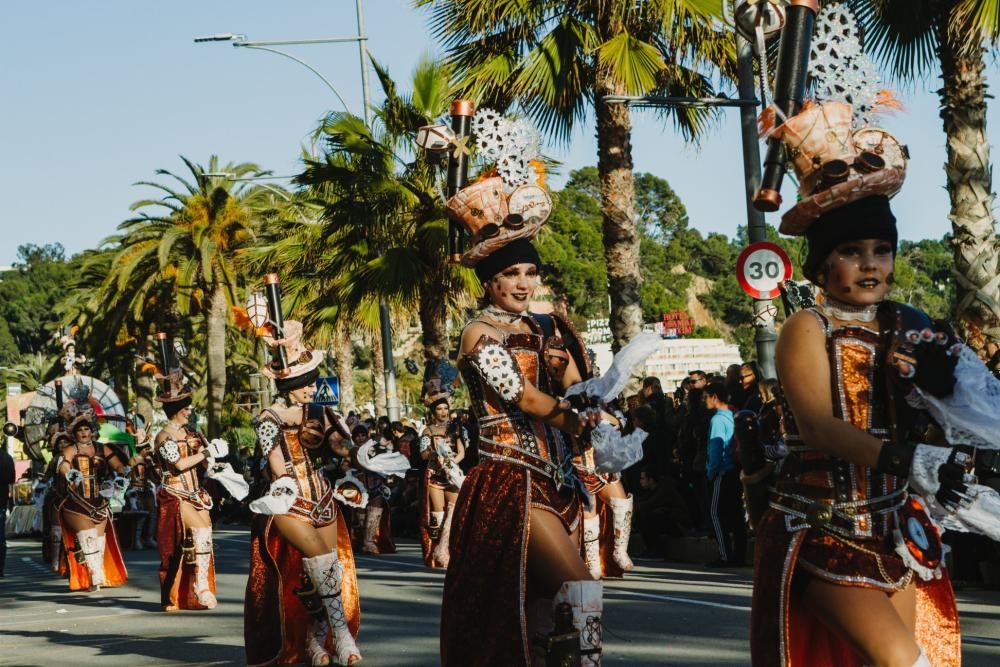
column 327, row 391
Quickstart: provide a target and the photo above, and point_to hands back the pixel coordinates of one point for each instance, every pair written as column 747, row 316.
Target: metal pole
column 764, row 334
column 391, row 397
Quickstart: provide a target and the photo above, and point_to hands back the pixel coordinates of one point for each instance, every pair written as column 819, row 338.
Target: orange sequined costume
column 276, row 624
column 523, row 465
column 179, row 583
column 834, row 520
column 434, row 476
column 84, row 498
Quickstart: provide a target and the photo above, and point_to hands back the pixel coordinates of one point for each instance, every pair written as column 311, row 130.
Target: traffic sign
column 761, row 268
column 327, row 391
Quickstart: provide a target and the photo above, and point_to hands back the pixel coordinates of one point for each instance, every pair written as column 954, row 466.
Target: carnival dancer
column 184, row 525
column 514, row 546
column 848, row 568
column 144, row 478
column 89, row 470
column 302, row 595
column 53, row 552
column 376, row 464
column 442, row 446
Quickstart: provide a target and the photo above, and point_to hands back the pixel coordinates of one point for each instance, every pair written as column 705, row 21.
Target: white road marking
column 673, row 598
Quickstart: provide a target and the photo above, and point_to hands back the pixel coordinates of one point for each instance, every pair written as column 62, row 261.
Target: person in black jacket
column 6, row 484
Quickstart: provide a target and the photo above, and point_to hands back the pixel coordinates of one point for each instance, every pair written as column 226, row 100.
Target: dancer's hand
column 955, row 476
column 927, row 359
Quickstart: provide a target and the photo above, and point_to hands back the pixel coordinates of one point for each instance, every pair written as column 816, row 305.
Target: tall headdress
column 293, row 364
column 508, row 202
column 173, row 386
column 439, row 382
column 838, row 158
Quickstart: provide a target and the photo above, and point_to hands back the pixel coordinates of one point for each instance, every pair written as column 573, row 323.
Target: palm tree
column 383, row 218
column 911, row 38
column 557, row 59
column 180, row 249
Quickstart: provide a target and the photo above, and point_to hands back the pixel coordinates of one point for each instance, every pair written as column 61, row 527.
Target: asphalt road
column 660, row 614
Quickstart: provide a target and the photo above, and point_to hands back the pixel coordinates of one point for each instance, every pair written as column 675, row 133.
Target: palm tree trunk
column 218, row 310
column 621, row 238
column 970, row 183
column 344, row 366
column 433, row 321
column 378, row 375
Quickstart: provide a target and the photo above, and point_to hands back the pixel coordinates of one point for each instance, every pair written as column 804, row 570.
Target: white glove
column 217, row 449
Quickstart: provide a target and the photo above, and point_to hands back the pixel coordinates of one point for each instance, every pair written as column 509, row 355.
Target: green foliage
column 923, row 276
column 28, row 297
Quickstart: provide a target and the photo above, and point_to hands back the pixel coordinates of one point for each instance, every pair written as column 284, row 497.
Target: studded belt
column 850, row 519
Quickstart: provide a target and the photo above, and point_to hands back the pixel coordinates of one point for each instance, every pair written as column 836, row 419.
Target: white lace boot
column 372, row 521
column 325, row 572
column 592, row 545
column 621, row 510
column 57, row 547
column 93, row 556
column 316, row 643
column 203, row 563
column 441, row 553
column 586, row 600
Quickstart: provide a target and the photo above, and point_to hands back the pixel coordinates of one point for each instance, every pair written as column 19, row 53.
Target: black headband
column 171, row 408
column 285, row 385
column 868, row 218
column 519, row 251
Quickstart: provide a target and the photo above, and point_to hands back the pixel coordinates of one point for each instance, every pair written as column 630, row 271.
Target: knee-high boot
column 441, row 553
column 621, row 510
column 592, row 545
column 203, row 565
column 586, row 600
column 57, row 547
column 372, row 521
column 434, row 526
column 325, row 571
column 93, row 556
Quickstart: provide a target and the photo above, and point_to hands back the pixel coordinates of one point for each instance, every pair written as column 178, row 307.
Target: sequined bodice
column 505, row 432
column 296, row 460
column 187, row 480
column 95, row 469
column 860, row 397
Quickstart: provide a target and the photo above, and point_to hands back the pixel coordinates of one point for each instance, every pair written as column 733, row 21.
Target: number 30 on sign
column 761, row 268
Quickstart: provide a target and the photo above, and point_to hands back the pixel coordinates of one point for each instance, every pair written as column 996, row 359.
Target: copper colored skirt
column 177, row 581
column 485, row 589
column 115, row 573
column 784, row 633
column 275, row 624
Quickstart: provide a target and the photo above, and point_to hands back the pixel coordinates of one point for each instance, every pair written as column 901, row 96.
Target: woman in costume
column 184, row 523
column 302, row 595
column 848, row 568
column 443, row 452
column 89, row 471
column 374, row 463
column 515, row 537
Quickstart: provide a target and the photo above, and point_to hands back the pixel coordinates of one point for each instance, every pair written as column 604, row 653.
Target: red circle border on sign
column 741, row 272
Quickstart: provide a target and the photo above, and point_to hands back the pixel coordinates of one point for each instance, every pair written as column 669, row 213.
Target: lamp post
column 240, row 41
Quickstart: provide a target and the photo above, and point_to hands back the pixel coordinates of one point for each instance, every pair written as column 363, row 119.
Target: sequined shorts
column 868, row 563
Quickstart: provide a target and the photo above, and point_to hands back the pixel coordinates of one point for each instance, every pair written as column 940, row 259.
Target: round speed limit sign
column 761, row 268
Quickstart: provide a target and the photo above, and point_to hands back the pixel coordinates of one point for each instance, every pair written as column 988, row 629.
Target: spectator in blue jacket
column 726, row 510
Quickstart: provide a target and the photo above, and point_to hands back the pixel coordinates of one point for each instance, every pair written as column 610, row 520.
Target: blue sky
column 98, row 95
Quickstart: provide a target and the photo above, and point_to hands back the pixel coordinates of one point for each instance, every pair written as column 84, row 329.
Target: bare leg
column 309, row 540
column 880, row 627
column 553, row 555
column 612, row 490
column 437, row 498
column 557, row 570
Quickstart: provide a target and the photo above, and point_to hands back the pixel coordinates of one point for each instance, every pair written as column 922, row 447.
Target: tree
column 181, row 255
column 911, row 38
column 28, row 296
column 384, row 228
column 557, row 59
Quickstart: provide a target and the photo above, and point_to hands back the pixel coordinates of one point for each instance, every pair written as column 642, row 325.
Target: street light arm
column 312, row 69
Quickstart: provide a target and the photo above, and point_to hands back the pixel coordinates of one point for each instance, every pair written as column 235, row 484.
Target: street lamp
column 240, row 41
